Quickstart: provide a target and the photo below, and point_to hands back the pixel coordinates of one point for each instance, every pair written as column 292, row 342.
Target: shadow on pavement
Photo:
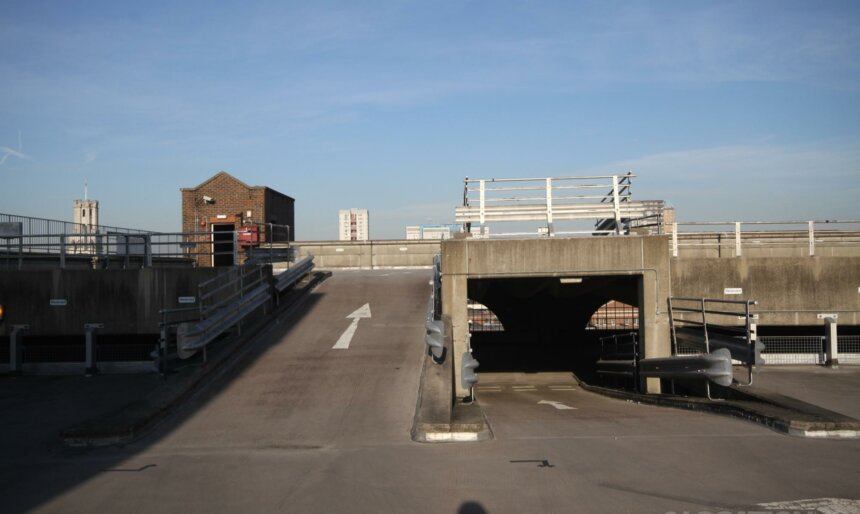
column 35, row 465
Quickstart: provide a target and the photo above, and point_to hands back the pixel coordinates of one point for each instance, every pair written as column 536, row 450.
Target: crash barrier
column 434, row 337
column 619, row 356
column 712, row 367
column 225, row 301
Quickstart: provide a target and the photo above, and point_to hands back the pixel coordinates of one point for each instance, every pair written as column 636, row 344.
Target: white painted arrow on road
column 557, row 405
column 346, row 337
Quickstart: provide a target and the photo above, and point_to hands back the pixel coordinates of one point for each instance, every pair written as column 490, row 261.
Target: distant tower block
column 354, row 225
column 85, row 215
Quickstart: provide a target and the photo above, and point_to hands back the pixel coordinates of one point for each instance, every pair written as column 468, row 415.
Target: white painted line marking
column 562, row 388
column 346, row 337
column 451, row 436
column 557, row 405
column 815, row 505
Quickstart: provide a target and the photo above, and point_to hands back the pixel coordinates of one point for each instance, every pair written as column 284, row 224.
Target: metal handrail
column 509, row 200
column 738, row 238
column 108, row 245
column 708, row 333
column 247, row 291
column 289, row 277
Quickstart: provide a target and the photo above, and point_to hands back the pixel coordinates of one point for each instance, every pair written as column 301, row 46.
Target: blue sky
column 728, row 110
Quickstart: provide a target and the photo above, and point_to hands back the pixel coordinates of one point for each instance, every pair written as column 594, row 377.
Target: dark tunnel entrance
column 549, row 324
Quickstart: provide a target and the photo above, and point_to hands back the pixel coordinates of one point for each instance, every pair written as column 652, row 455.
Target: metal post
column 672, row 328
column 616, row 203
column 91, row 329
column 147, row 241
column 705, row 327
column 162, row 350
column 482, row 205
column 127, row 252
column 738, row 250
column 16, row 348
column 270, row 238
column 831, row 344
column 62, row 251
column 235, row 248
column 752, row 337
column 674, row 239
column 812, row 239
column 549, row 229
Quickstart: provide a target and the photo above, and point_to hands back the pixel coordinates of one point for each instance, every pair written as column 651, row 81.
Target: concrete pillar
column 91, row 365
column 455, row 305
column 454, row 299
column 831, row 338
column 650, row 341
column 16, row 347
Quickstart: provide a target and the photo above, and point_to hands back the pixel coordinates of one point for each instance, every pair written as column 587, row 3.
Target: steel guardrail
column 294, row 273
column 240, row 299
column 190, row 337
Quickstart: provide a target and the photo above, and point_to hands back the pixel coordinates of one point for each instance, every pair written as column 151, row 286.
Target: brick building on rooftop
column 224, row 204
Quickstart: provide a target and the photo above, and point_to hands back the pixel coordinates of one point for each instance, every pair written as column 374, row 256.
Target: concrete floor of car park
column 298, row 426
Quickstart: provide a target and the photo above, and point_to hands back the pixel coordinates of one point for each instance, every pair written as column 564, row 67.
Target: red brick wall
column 232, row 198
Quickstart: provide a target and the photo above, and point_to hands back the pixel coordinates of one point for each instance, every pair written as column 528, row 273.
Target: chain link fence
column 805, row 349
column 849, row 349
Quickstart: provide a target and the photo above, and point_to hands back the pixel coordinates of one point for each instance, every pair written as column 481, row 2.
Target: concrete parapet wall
column 369, row 254
column 126, row 301
column 789, row 290
column 557, row 256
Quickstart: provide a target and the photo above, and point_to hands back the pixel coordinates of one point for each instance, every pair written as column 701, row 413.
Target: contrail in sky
column 14, row 153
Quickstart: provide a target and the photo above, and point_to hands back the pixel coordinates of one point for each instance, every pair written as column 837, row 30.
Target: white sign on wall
column 733, row 290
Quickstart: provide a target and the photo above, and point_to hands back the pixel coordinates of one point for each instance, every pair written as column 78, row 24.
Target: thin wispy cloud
column 725, row 98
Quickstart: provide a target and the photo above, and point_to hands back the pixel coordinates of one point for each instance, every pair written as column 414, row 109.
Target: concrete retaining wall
column 369, row 254
column 126, row 301
column 789, row 290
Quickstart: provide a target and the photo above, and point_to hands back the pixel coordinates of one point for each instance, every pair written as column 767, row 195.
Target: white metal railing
column 739, row 237
column 605, row 198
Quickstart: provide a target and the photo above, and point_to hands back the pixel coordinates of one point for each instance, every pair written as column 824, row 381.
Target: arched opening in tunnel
column 550, row 324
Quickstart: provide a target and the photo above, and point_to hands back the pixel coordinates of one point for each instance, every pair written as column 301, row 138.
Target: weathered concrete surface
column 299, row 427
column 369, row 254
column 643, row 257
column 789, row 290
column 126, row 301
